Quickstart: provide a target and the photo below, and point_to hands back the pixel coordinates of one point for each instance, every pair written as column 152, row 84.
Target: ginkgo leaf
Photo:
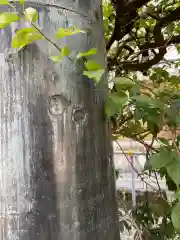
column 4, row 2
column 91, row 52
column 25, row 36
column 64, row 52
column 91, row 65
column 56, row 58
column 96, row 74
column 64, row 32
column 7, row 18
column 31, row 14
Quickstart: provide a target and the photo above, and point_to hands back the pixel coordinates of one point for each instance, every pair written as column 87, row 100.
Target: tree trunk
column 56, row 170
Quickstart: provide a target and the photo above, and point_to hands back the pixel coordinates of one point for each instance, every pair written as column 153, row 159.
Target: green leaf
column 178, row 195
column 160, row 207
column 161, row 159
column 64, row 52
column 92, row 51
column 96, row 74
column 123, row 81
column 31, row 14
column 7, row 18
column 56, row 58
column 119, row 98
column 173, row 169
column 21, row 2
column 91, row 65
column 175, row 216
column 25, row 36
column 142, row 99
column 115, row 103
column 4, row 2
column 65, row 32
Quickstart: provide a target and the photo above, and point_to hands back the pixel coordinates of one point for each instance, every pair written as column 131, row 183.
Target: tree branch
column 159, row 43
column 126, row 14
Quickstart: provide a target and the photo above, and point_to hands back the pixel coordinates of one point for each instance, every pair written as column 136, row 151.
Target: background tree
column 144, row 96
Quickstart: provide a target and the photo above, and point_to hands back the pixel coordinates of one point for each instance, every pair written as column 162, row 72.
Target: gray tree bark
column 56, row 170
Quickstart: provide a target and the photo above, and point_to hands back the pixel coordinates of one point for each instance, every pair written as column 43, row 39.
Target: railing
column 131, row 177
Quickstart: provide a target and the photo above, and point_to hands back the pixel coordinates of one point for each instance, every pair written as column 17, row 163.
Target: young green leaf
column 91, row 65
column 91, row 52
column 21, row 2
column 31, row 14
column 64, row 32
column 56, row 58
column 4, row 2
column 7, row 18
column 175, row 216
column 96, row 74
column 64, row 52
column 25, row 36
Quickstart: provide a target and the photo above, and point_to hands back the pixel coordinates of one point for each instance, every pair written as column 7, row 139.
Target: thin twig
column 48, row 39
column 138, row 174
column 64, row 8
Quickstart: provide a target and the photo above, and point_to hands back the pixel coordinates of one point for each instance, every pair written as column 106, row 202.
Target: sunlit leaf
column 64, row 32
column 7, row 18
column 22, row 1
column 25, row 36
column 64, row 52
column 56, row 58
column 31, row 14
column 94, row 74
column 91, row 65
column 4, row 2
column 92, row 51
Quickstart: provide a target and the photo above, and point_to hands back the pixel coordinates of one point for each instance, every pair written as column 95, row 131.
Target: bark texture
column 56, row 169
